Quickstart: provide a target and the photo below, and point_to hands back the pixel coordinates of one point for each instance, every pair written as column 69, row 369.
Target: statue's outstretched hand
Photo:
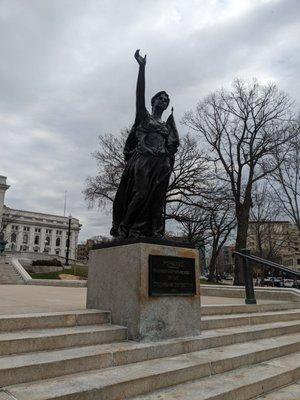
column 141, row 60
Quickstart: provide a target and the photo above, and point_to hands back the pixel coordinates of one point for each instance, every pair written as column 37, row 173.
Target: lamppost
column 3, row 242
column 68, row 241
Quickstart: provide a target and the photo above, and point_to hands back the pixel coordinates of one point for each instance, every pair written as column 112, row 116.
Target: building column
column 20, row 233
column 3, row 189
column 42, row 238
column 53, row 240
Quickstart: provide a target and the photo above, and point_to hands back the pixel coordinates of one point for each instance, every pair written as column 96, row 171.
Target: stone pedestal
column 119, row 281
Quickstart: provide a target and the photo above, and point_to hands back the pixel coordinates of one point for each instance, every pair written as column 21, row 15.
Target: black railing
column 247, row 263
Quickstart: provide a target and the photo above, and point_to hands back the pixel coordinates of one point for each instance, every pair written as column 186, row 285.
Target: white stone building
column 32, row 232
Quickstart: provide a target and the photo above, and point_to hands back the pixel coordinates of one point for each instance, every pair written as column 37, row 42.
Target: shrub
column 54, row 262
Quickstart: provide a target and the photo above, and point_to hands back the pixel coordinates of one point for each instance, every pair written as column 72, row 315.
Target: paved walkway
column 20, row 299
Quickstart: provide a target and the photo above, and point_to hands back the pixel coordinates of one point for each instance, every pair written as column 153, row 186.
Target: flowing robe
column 139, row 201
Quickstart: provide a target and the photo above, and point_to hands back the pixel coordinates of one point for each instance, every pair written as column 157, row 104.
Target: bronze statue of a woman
column 149, row 154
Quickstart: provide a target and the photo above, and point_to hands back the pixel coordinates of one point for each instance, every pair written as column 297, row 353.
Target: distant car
column 288, row 283
column 273, row 281
column 277, row 282
column 267, row 282
column 297, row 284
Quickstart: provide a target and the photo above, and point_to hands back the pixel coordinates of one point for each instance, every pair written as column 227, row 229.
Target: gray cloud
column 67, row 73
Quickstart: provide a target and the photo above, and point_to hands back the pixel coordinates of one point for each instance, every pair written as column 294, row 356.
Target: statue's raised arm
column 149, row 154
column 140, row 87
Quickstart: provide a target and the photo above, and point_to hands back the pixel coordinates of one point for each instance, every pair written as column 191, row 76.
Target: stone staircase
column 8, row 274
column 244, row 352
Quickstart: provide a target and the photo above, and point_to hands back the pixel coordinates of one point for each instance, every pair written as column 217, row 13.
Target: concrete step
column 48, row 364
column 246, row 308
column 8, row 275
column 5, row 396
column 130, row 352
column 290, row 392
column 240, row 334
column 131, row 380
column 241, row 384
column 46, row 339
column 261, row 293
column 224, row 321
column 8, row 272
column 53, row 320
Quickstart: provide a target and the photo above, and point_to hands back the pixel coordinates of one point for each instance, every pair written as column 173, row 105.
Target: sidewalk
column 22, row 299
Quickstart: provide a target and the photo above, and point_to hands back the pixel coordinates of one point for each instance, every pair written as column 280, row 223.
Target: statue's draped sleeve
column 131, row 143
column 173, row 138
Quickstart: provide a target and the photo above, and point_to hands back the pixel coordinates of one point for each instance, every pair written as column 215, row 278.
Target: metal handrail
column 248, row 259
column 268, row 263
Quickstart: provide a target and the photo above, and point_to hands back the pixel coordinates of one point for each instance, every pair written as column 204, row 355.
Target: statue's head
column 160, row 100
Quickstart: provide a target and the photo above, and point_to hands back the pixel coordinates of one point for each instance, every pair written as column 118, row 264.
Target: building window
column 47, row 241
column 298, row 261
column 15, row 227
column 57, row 252
column 57, row 242
column 37, row 230
column 48, row 231
column 13, row 237
column 37, row 240
column 26, row 229
column 25, row 239
column 58, row 232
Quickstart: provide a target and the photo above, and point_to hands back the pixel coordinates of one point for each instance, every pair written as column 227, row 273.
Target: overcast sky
column 67, row 74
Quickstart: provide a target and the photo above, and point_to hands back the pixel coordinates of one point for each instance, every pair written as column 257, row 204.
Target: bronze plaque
column 171, row 276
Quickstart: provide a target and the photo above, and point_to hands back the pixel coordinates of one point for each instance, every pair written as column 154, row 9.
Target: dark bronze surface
column 149, row 152
column 171, row 276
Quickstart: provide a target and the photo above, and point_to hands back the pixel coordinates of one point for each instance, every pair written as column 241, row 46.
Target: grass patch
column 75, row 270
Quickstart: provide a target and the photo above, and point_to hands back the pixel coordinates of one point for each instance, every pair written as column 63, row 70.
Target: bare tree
column 285, row 180
column 243, row 127
column 221, row 224
column 189, row 177
column 207, row 223
column 193, row 222
column 265, row 224
column 100, row 190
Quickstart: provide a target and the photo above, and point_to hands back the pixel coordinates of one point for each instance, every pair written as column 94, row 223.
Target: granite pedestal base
column 119, row 281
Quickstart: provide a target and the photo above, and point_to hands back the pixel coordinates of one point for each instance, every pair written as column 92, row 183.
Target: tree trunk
column 212, row 264
column 242, row 213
